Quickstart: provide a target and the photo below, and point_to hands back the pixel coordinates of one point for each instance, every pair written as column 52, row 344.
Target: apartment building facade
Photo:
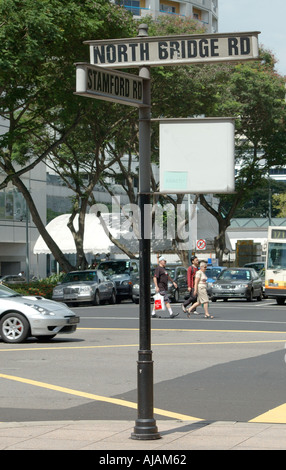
column 204, row 11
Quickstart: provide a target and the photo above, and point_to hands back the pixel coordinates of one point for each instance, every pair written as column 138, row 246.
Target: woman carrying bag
column 201, row 291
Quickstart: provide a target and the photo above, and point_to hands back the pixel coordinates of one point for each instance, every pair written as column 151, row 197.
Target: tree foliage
column 255, row 95
column 39, row 43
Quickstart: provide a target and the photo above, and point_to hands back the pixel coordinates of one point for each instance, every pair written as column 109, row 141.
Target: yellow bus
column 275, row 270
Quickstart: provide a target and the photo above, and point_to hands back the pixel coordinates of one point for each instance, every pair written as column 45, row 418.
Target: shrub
column 42, row 288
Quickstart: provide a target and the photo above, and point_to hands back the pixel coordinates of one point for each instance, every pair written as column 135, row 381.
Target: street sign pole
column 145, row 52
column 145, row 425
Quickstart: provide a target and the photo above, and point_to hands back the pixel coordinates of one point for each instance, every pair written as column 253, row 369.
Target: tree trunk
column 219, row 240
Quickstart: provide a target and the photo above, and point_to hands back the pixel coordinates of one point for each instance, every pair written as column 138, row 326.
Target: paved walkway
column 116, row 435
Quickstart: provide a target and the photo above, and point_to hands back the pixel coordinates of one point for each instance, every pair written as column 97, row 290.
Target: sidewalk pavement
column 116, row 435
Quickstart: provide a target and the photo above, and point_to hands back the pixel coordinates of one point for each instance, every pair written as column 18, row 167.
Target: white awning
column 95, row 239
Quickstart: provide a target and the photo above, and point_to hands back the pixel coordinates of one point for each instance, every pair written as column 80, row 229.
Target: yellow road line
column 185, row 329
column 91, row 396
column 50, row 347
column 106, row 346
column 276, row 415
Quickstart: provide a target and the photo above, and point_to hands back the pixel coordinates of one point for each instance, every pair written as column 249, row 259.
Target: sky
column 266, row 16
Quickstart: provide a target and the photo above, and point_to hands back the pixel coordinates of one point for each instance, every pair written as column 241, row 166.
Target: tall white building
column 204, row 11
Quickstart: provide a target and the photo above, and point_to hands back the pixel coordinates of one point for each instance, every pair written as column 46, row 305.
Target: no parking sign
column 201, row 244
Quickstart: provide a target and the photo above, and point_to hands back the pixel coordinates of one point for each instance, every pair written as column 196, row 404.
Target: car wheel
column 96, row 299
column 112, row 299
column 250, row 297
column 280, row 300
column 14, row 328
column 259, row 297
column 176, row 296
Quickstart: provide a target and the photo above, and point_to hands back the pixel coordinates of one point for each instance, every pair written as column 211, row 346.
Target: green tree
column 279, row 203
column 262, row 201
column 181, row 91
column 254, row 94
column 109, row 133
column 84, row 159
column 39, row 43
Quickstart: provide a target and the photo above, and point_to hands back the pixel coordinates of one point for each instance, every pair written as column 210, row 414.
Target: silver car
column 13, row 279
column 22, row 316
column 85, row 286
column 237, row 283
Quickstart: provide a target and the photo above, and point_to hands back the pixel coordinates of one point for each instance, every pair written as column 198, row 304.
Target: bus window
column 276, row 256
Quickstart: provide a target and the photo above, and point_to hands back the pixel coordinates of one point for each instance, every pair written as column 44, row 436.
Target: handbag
column 159, row 303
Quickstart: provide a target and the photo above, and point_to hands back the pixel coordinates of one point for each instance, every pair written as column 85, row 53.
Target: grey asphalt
column 116, row 435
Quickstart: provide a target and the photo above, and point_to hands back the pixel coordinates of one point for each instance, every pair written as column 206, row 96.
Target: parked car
column 85, row 286
column 177, row 272
column 135, row 288
column 136, row 284
column 212, row 273
column 257, row 266
column 12, row 279
column 22, row 316
column 261, row 274
column 120, row 272
column 237, row 283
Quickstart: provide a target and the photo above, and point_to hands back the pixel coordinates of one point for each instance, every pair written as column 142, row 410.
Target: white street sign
column 197, row 155
column 174, row 50
column 109, row 85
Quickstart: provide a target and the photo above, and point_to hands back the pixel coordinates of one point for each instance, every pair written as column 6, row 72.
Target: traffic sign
column 201, row 244
column 118, row 87
column 174, row 50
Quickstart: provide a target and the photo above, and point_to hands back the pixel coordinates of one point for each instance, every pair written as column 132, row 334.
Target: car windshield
column 170, row 271
column 6, row 292
column 235, row 274
column 213, row 272
column 114, row 267
column 80, row 276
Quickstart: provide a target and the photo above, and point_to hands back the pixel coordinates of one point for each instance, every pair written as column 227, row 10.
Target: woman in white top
column 201, row 291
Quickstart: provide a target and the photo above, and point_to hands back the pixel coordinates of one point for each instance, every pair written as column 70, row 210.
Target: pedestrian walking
column 191, row 272
column 201, row 291
column 161, row 278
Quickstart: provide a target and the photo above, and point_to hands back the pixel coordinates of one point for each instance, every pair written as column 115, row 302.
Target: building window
column 12, row 205
column 167, row 8
column 131, row 5
column 197, row 14
column 277, row 171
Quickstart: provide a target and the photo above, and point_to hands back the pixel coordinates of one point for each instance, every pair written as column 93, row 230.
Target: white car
column 22, row 316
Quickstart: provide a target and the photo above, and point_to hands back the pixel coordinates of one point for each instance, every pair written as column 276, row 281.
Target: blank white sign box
column 197, row 155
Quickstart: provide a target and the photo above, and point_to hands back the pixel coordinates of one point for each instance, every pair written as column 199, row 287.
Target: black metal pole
column 145, row 425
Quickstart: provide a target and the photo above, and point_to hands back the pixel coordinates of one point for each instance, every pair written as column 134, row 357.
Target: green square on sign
column 175, row 180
